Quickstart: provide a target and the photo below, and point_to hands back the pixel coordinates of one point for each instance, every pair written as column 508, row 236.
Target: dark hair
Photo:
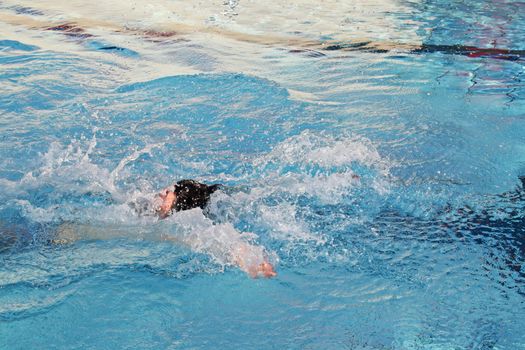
column 192, row 194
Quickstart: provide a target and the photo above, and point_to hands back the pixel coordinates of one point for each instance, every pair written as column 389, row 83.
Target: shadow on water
column 457, row 49
column 496, row 224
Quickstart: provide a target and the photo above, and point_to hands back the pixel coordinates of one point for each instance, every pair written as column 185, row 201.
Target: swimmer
column 189, row 194
column 182, row 196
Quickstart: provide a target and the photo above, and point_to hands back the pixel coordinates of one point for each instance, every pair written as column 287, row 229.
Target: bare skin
column 168, row 199
column 264, row 269
column 241, row 255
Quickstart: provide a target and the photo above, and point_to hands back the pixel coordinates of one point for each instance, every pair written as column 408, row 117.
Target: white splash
column 324, row 166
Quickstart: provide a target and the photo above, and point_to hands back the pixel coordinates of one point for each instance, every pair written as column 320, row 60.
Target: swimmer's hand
column 245, row 256
column 168, row 198
column 264, row 269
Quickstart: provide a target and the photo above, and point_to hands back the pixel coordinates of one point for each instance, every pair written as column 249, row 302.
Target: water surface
column 373, row 149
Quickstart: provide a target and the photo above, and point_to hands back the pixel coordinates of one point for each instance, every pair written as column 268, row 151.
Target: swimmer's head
column 192, row 194
column 185, row 195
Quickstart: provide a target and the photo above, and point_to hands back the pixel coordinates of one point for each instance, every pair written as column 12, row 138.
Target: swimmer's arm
column 70, row 232
column 244, row 255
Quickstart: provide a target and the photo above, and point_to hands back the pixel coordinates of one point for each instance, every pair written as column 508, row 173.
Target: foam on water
column 324, row 166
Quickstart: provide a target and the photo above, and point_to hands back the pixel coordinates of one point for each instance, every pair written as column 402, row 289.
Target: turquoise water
column 424, row 250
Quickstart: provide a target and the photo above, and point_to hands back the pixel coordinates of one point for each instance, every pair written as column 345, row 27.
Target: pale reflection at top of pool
column 249, row 37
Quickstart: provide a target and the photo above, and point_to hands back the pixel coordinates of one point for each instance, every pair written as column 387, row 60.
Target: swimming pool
column 103, row 104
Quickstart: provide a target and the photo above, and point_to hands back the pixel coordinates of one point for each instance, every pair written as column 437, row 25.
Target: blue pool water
column 424, row 250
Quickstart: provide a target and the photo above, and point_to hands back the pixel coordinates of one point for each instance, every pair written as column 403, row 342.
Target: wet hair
column 192, row 194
